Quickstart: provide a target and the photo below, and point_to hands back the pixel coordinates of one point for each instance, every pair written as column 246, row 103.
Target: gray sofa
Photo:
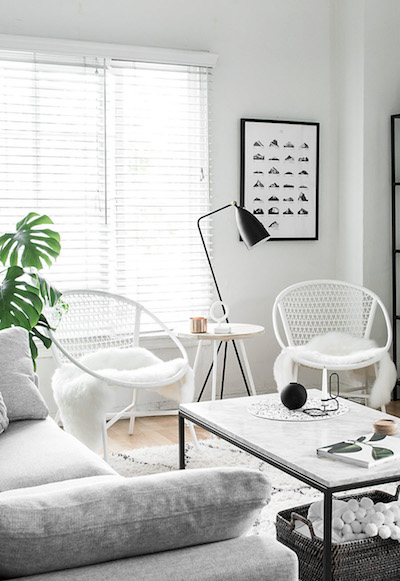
column 67, row 515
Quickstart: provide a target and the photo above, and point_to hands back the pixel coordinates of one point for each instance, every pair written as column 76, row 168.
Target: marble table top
column 294, row 444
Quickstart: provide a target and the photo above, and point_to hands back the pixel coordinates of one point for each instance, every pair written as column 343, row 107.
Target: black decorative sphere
column 294, row 396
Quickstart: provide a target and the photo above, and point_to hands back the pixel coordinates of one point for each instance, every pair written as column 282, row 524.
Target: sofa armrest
column 115, row 518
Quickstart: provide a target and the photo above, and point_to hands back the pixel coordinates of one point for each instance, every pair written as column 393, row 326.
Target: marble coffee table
column 291, row 447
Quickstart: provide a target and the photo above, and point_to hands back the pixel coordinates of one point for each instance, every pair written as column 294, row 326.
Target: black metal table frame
column 327, row 491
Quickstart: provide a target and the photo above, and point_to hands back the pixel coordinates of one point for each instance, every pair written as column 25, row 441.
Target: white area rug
column 286, row 491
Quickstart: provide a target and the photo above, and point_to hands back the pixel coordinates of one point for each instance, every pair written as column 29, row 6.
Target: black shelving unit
column 395, row 170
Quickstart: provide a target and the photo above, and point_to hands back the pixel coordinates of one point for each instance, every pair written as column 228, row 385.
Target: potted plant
column 23, row 291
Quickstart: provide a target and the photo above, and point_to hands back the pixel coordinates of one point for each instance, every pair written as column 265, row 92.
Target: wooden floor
column 151, row 431
column 163, row 430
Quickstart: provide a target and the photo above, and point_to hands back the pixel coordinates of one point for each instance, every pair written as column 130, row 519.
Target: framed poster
column 279, row 176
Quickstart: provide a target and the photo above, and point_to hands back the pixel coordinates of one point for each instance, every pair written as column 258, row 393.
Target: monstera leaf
column 30, row 245
column 48, row 292
column 20, row 304
column 23, row 292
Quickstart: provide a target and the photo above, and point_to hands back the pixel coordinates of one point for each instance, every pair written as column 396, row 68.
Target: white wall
column 348, row 89
column 382, row 99
column 274, row 63
column 368, row 92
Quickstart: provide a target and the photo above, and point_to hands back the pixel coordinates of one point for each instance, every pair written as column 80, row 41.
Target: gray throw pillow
column 4, row 421
column 92, row 520
column 17, row 378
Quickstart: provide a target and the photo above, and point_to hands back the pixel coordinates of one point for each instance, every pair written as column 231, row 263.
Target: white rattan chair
column 92, row 321
column 315, row 308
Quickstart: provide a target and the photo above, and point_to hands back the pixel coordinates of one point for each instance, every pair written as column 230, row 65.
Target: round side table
column 239, row 332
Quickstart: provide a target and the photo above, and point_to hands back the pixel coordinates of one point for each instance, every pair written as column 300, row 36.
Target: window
column 115, row 151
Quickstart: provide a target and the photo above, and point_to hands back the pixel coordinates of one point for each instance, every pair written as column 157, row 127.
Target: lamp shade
column 250, row 228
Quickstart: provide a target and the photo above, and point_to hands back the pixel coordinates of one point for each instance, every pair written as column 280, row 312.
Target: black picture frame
column 279, row 176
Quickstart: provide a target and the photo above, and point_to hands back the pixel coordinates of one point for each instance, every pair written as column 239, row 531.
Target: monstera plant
column 23, row 291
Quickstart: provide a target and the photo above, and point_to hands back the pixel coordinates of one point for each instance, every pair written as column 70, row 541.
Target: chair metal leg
column 247, row 366
column 296, row 372
column 193, row 434
column 57, row 417
column 105, row 440
column 133, row 415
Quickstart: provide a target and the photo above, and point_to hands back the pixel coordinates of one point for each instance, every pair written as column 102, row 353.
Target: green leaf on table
column 31, row 245
column 381, row 453
column 344, row 448
column 361, row 439
column 376, row 437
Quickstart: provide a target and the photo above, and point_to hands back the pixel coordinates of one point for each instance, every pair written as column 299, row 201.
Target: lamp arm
column 205, row 247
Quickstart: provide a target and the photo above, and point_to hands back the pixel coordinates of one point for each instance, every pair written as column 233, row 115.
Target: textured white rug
column 286, row 491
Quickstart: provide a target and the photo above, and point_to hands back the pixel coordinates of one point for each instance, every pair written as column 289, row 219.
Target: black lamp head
column 250, row 228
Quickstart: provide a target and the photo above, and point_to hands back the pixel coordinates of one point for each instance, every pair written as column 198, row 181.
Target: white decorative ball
column 396, row 512
column 337, row 523
column 360, row 513
column 366, row 503
column 370, row 529
column 348, row 516
column 378, row 518
column 347, row 530
column 380, row 507
column 356, row 526
column 395, row 532
column 384, row 532
column 353, row 505
column 389, row 517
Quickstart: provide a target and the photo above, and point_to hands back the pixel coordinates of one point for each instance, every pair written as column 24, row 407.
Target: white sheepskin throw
column 83, row 400
column 340, row 349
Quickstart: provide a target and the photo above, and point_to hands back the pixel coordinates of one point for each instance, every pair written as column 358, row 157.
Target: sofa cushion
column 17, row 377
column 73, row 524
column 4, row 421
column 250, row 558
column 37, row 452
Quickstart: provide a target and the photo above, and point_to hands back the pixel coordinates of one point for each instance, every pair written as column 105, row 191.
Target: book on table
column 367, row 451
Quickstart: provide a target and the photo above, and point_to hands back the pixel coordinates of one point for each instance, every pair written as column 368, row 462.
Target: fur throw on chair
column 340, row 348
column 83, row 400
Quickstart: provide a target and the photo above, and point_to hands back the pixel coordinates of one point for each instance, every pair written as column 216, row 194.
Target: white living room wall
column 382, row 99
column 275, row 60
column 368, row 93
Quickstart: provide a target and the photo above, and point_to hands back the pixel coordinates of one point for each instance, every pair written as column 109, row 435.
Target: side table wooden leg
column 247, row 367
column 214, row 371
column 197, row 357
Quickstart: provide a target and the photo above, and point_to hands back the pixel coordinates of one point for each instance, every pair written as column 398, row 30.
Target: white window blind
column 116, row 153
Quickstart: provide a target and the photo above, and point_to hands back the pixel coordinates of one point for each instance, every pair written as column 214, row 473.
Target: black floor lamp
column 252, row 232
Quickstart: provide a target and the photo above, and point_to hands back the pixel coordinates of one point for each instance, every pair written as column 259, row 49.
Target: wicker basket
column 371, row 559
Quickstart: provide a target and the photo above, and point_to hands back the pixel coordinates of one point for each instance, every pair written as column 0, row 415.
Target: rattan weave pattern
column 4, row 421
column 318, row 309
column 95, row 322
column 371, row 559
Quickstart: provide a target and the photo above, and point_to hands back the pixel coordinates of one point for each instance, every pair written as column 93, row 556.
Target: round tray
column 273, row 409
